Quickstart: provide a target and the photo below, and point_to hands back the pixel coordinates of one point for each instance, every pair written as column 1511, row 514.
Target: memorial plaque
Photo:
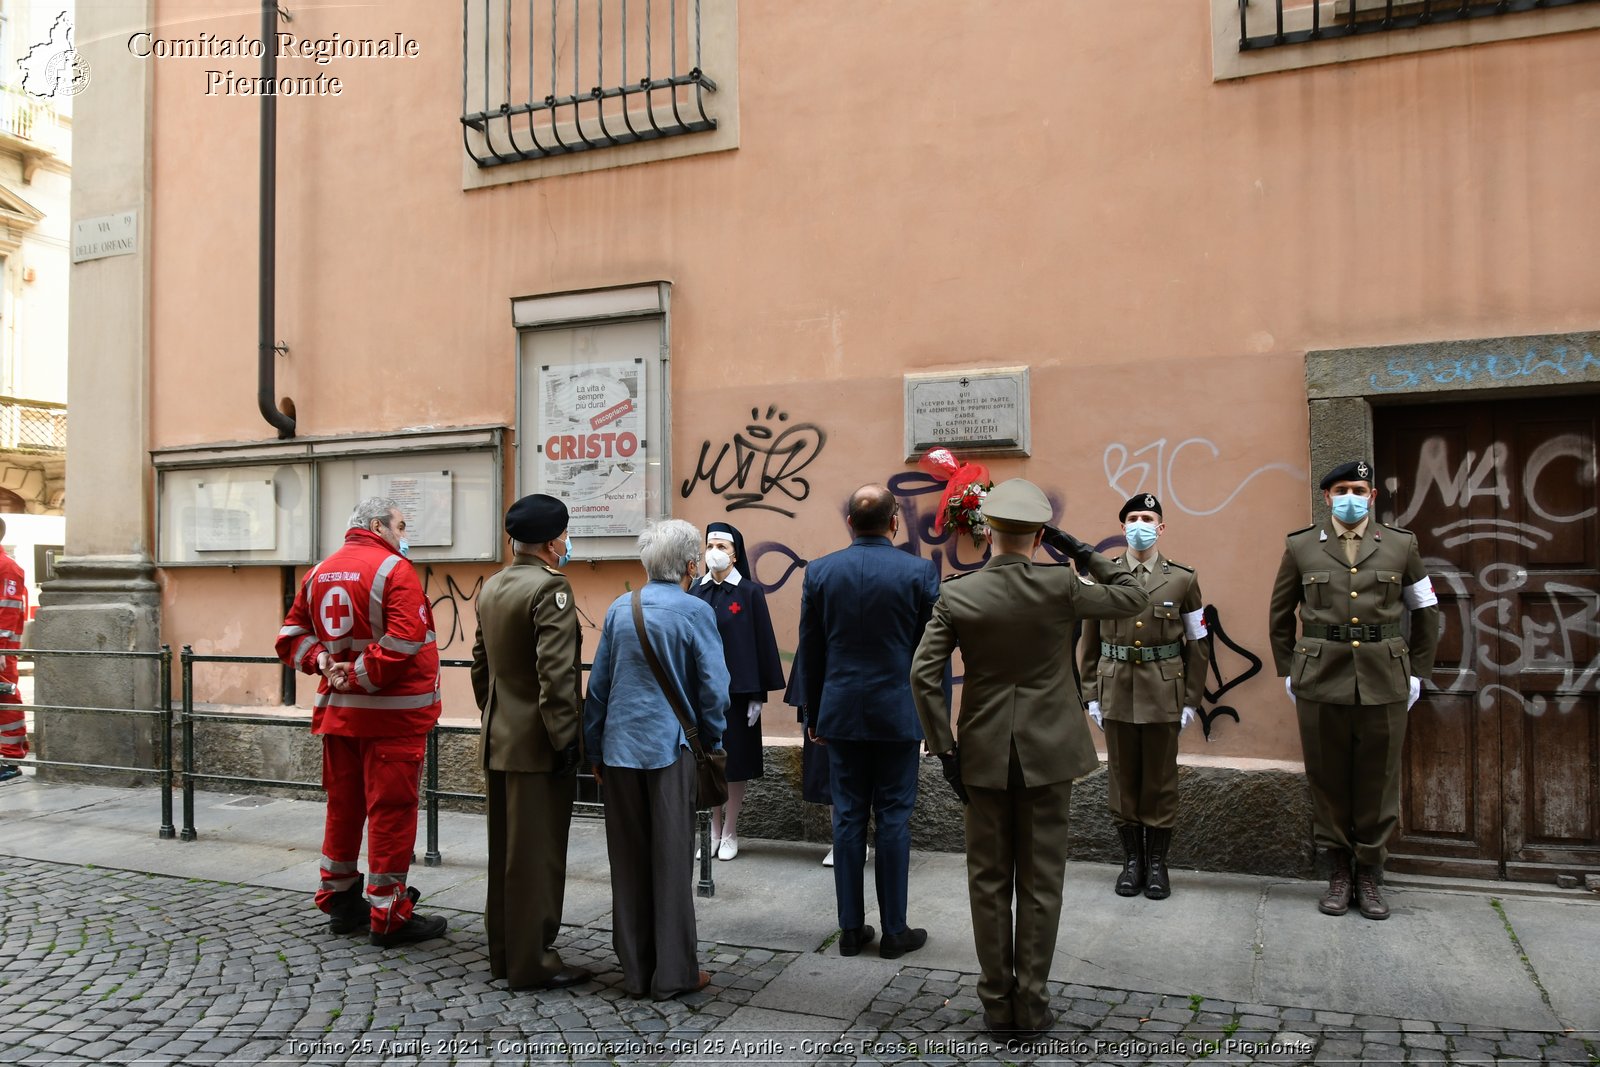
column 975, row 412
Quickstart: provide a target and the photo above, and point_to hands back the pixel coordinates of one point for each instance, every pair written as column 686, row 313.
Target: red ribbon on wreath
column 966, row 484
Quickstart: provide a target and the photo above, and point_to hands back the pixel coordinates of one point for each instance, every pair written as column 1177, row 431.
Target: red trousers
column 13, row 727
column 371, row 780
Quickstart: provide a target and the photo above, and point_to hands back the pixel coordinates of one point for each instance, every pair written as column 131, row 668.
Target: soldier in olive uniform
column 527, row 667
column 1023, row 738
column 1353, row 673
column 1142, row 682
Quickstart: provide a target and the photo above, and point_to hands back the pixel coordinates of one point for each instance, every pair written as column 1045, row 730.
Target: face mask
column 1349, row 508
column 1141, row 535
column 405, row 547
column 718, row 559
column 566, row 554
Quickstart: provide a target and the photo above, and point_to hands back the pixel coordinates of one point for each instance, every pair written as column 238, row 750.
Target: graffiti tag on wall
column 760, row 468
column 1154, row 468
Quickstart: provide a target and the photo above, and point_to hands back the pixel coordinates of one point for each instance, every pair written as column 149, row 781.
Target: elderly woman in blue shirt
column 643, row 758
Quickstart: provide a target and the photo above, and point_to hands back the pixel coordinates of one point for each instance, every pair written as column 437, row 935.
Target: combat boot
column 1157, row 884
column 1131, row 880
column 1336, row 901
column 1368, row 898
column 348, row 911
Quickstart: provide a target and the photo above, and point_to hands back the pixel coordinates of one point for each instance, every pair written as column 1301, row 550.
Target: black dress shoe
column 417, row 928
column 568, row 976
column 853, row 941
column 896, row 945
column 562, row 979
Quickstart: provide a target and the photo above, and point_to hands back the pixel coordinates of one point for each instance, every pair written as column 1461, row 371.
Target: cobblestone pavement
column 107, row 966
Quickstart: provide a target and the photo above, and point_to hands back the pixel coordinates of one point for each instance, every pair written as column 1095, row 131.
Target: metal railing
column 583, row 85
column 17, row 112
column 163, row 711
column 33, row 424
column 1305, row 20
column 431, row 793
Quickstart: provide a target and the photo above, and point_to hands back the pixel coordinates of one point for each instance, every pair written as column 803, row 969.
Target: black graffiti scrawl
column 760, row 467
column 1215, row 633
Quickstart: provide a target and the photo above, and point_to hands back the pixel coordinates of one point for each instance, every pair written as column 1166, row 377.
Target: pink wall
column 945, row 186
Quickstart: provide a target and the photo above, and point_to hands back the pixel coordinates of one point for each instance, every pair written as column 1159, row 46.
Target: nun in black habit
column 754, row 669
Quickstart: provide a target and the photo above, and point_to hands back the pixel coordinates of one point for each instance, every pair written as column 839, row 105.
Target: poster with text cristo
column 592, row 455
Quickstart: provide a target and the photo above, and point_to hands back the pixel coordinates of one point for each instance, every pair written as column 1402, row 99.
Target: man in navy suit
column 862, row 612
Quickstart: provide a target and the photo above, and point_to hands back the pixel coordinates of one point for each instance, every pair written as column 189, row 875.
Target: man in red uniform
column 361, row 621
column 13, row 614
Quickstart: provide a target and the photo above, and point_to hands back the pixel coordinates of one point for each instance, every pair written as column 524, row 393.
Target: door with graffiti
column 1502, row 761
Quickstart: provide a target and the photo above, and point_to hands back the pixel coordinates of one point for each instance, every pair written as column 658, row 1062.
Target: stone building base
column 1245, row 821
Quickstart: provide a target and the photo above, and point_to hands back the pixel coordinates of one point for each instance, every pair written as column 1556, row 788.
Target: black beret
column 1140, row 502
column 535, row 519
column 1357, row 470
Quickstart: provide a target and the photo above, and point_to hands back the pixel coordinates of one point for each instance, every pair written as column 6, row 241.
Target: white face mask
column 718, row 559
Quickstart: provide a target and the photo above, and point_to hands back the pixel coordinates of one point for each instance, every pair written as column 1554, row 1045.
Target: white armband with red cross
column 1420, row 594
column 1194, row 624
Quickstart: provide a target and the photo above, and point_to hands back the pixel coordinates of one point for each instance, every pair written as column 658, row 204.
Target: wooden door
column 1502, row 763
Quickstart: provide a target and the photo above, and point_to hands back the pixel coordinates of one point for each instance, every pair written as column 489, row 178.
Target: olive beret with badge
column 536, row 519
column 1140, row 502
column 1016, row 506
column 1357, row 470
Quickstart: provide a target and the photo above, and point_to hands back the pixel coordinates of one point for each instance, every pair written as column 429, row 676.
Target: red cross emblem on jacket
column 734, row 609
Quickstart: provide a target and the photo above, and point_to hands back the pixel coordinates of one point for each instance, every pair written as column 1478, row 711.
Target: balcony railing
column 1285, row 22
column 18, row 112
column 32, row 425
column 544, row 78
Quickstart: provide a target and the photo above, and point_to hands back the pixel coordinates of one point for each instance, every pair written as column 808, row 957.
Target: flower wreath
column 966, row 485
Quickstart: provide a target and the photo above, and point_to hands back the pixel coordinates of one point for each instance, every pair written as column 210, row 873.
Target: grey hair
column 374, row 507
column 666, row 548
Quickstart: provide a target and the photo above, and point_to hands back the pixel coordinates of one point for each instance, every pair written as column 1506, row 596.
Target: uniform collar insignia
column 1322, row 536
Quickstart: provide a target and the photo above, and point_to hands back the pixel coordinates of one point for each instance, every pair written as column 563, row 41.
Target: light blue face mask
column 405, row 547
column 1349, row 508
column 566, row 554
column 1140, row 535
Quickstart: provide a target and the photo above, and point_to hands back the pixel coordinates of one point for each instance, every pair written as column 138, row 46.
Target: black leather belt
column 1336, row 632
column 1140, row 655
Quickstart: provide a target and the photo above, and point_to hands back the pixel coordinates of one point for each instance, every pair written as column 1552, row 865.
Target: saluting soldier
column 1023, row 738
column 1142, row 681
column 1353, row 673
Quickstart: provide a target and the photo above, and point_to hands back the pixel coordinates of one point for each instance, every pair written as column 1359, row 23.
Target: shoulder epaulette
column 1181, row 566
column 958, row 574
column 551, row 570
column 1396, row 529
column 1302, row 530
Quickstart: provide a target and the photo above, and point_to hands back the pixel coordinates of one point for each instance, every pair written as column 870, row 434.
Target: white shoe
column 827, row 861
column 714, row 842
column 729, row 849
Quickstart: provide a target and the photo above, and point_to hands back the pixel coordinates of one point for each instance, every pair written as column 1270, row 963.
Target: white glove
column 1416, row 692
column 1288, row 687
column 1094, row 713
column 755, row 713
column 1188, row 717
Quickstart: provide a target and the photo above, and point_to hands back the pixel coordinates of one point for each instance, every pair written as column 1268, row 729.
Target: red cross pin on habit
column 734, row 609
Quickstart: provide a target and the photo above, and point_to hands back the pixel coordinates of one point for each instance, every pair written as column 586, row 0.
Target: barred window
column 1269, row 23
column 1251, row 37
column 552, row 78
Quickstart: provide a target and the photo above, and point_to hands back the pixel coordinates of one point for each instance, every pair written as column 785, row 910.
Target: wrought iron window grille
column 566, row 102
column 1348, row 18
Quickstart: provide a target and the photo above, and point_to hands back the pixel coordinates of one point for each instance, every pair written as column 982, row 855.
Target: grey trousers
column 650, row 839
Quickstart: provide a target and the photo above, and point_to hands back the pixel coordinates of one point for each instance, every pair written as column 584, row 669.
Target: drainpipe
column 266, row 347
